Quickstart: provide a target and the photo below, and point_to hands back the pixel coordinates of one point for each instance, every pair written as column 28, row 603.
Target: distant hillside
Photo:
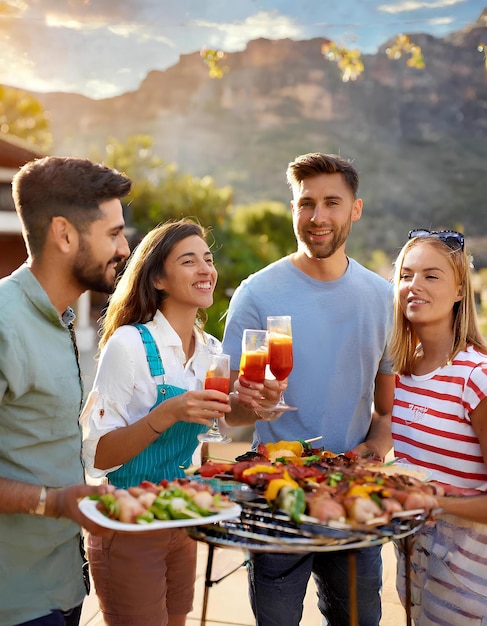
column 418, row 137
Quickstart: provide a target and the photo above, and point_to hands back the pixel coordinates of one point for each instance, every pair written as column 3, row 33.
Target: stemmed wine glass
column 253, row 361
column 217, row 377
column 280, row 346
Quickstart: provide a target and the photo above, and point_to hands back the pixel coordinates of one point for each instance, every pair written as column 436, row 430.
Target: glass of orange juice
column 217, row 377
column 253, row 361
column 280, row 348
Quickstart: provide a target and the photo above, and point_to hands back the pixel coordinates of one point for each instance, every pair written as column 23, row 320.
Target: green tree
column 251, row 237
column 270, row 222
column 243, row 239
column 22, row 116
column 160, row 191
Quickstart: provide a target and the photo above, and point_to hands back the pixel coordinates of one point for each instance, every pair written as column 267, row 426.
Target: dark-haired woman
column 142, row 418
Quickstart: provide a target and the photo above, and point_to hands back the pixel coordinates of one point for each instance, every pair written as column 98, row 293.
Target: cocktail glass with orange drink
column 280, row 348
column 217, row 377
column 253, row 361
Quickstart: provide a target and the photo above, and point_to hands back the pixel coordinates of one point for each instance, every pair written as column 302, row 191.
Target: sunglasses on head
column 452, row 238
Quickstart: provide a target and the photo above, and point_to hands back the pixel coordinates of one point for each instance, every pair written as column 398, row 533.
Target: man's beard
column 92, row 276
column 326, row 249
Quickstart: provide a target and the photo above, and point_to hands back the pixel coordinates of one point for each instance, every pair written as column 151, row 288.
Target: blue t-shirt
column 340, row 334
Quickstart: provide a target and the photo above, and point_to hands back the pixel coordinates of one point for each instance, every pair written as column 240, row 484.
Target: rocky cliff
column 418, row 137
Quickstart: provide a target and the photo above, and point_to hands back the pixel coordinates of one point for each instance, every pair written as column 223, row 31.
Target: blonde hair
column 404, row 341
column 135, row 299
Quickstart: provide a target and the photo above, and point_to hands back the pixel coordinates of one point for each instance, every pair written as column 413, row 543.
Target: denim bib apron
column 171, row 452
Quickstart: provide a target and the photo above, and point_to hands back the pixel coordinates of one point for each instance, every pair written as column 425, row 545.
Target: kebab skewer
column 329, row 487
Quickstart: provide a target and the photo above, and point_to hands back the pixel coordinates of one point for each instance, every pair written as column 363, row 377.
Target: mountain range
column 417, row 136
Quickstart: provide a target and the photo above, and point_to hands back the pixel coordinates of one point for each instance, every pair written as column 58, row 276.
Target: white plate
column 406, row 469
column 88, row 508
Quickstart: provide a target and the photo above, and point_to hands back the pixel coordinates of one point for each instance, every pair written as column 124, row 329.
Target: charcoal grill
column 259, row 529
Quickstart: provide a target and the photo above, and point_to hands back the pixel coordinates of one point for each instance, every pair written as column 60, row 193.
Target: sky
column 102, row 48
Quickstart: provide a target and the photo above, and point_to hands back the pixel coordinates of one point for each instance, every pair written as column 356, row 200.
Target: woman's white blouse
column 124, row 390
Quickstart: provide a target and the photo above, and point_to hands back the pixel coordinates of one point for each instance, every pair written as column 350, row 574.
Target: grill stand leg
column 209, row 582
column 407, row 576
column 404, row 546
column 352, row 588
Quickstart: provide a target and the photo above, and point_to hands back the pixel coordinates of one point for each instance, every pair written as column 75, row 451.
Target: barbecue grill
column 260, row 529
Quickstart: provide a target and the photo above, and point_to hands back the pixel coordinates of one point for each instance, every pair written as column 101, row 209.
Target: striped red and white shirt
column 431, row 424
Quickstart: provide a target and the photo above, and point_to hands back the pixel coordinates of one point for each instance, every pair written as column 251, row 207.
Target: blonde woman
column 439, row 422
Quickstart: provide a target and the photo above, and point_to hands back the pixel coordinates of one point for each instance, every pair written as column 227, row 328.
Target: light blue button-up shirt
column 40, row 442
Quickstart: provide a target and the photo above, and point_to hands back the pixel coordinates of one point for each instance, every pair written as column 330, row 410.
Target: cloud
column 9, row 8
column 86, row 13
column 102, row 88
column 125, row 25
column 235, row 35
column 441, row 21
column 101, row 54
column 415, row 5
column 141, row 31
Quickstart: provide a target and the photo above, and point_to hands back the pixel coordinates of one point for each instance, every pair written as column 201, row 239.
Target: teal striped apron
column 171, row 452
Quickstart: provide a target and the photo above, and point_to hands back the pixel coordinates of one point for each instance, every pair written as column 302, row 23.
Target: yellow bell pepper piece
column 295, row 447
column 276, row 485
column 363, row 491
column 264, row 469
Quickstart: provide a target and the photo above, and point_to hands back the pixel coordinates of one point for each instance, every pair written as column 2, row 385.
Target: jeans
column 330, row 571
column 278, row 585
column 57, row 618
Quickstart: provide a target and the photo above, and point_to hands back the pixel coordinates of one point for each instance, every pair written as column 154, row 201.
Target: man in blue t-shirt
column 341, row 382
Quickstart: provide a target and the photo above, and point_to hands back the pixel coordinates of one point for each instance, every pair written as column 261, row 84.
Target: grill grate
column 259, row 529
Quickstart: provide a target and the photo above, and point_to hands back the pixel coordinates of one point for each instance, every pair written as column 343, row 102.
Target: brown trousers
column 142, row 577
